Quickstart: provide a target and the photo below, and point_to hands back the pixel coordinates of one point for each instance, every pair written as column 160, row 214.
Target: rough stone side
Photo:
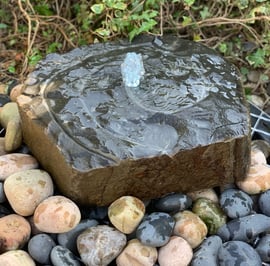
column 202, row 167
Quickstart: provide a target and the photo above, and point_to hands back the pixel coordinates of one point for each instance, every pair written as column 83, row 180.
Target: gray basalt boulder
column 184, row 128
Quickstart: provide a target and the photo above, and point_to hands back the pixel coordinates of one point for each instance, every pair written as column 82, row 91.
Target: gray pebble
column 238, row 253
column 156, row 229
column 173, row 203
column 207, row 253
column 263, row 248
column 68, row 239
column 263, row 201
column 2, row 193
column 244, row 228
column 235, row 203
column 61, row 256
column 39, row 248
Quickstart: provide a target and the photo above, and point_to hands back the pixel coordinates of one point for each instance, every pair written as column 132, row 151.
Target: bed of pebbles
column 39, row 226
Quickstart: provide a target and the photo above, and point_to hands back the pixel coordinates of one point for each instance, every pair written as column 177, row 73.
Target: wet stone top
column 188, row 96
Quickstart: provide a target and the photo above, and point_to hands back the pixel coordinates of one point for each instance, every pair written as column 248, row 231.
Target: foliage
column 240, row 30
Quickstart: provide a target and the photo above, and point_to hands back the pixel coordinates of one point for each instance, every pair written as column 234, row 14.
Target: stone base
column 211, row 146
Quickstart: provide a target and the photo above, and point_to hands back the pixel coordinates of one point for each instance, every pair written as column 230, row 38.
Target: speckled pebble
column 177, row 252
column 68, row 239
column 263, row 248
column 39, row 247
column 16, row 258
column 264, row 200
column 173, row 203
column 238, row 253
column 245, row 228
column 211, row 213
column 155, row 230
column 207, row 253
column 56, row 214
column 236, row 203
column 99, row 245
column 137, row 254
column 189, row 226
column 14, row 232
column 26, row 189
column 126, row 213
column 61, row 256
column 208, row 193
column 15, row 162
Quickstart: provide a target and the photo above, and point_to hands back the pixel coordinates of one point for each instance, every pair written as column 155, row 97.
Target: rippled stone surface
column 179, row 130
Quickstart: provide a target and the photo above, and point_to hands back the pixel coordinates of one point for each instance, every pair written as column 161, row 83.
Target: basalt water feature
column 145, row 118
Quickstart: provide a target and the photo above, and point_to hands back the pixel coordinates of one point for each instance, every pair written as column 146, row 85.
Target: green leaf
column 97, row 8
column 12, row 69
column 186, row 21
column 120, row 6
column 43, row 10
column 205, row 13
column 189, row 2
column 3, row 26
column 257, row 59
column 242, row 4
column 103, row 32
column 222, row 47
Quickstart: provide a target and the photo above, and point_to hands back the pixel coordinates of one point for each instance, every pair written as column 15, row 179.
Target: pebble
column 173, row 203
column 62, row 256
column 26, row 189
column 14, row 232
column 208, row 193
column 2, row 146
column 155, row 230
column 3, row 197
column 238, row 253
column 56, row 214
column 245, row 228
column 15, row 162
column 211, row 213
column 189, row 226
column 263, row 201
column 126, row 213
column 207, row 253
column 236, row 203
column 11, row 121
column 263, row 248
column 40, row 246
column 68, row 239
column 99, row 245
column 137, row 254
column 16, row 258
column 177, row 252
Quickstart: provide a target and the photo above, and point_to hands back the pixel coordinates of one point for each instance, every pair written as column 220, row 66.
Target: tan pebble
column 9, row 112
column 56, row 214
column 177, row 252
column 16, row 258
column 14, row 232
column 189, row 226
column 15, row 162
column 257, row 179
column 15, row 92
column 204, row 193
column 2, row 147
column 137, row 254
column 257, row 157
column 26, row 189
column 126, row 213
column 13, row 137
